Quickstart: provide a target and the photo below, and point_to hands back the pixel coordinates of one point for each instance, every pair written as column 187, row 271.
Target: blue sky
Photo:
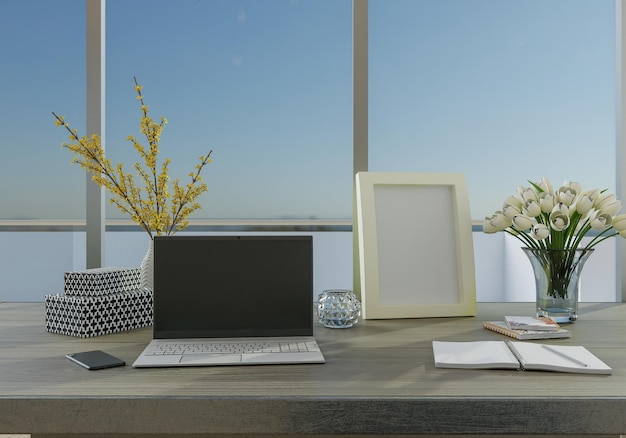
column 500, row 90
column 503, row 91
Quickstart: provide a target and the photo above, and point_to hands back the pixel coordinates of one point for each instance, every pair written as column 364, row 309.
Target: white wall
column 32, row 264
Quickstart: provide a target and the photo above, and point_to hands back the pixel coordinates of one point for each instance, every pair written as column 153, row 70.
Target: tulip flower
column 492, row 224
column 510, row 211
column 572, row 185
column 527, row 193
column 559, row 217
column 521, row 222
column 619, row 223
column 488, row 227
column 584, row 204
column 546, row 185
column 531, row 208
column 513, row 200
column 547, row 202
column 561, row 208
column 604, row 199
column 566, row 196
column 601, row 222
column 611, row 208
column 593, row 194
column 539, row 232
column 500, row 221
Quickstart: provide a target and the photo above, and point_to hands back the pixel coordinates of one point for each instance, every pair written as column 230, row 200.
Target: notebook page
column 534, row 356
column 478, row 354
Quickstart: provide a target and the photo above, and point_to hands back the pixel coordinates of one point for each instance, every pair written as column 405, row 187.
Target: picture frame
column 415, row 248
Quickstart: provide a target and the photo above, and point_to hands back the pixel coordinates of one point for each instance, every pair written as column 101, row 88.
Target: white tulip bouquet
column 544, row 218
column 552, row 224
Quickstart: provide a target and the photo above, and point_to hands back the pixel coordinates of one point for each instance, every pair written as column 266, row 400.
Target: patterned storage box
column 89, row 316
column 101, row 281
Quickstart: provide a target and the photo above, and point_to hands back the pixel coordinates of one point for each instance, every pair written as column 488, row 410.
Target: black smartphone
column 95, row 360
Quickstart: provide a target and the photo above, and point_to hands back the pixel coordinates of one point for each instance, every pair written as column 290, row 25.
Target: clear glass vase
column 338, row 308
column 557, row 280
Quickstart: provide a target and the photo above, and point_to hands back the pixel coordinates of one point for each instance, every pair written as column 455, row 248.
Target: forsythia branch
column 147, row 205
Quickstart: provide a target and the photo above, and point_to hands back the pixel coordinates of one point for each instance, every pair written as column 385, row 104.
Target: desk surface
column 379, row 378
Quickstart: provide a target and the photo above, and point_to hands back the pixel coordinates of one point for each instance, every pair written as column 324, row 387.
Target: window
column 501, row 90
column 265, row 85
column 43, row 69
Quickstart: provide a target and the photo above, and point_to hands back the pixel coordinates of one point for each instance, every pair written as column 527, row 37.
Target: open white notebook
column 517, row 355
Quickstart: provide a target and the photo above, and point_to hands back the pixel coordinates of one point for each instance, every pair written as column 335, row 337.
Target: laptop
column 232, row 300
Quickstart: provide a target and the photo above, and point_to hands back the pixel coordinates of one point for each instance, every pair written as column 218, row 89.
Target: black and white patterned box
column 101, row 281
column 88, row 316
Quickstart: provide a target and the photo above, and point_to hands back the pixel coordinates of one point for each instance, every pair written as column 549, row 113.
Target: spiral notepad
column 502, row 328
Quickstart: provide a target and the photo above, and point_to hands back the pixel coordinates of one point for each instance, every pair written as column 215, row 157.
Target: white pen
column 573, row 359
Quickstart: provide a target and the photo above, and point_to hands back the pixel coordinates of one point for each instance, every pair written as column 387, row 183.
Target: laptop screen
column 233, row 286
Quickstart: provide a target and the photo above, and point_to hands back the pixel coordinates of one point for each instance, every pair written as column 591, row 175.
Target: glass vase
column 557, row 280
column 338, row 308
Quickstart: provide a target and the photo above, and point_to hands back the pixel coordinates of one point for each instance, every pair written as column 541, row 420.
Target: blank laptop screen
column 233, row 286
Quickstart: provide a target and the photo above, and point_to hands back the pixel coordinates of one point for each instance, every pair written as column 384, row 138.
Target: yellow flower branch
column 147, row 205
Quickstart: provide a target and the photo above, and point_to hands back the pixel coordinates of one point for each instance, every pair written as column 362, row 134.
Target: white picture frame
column 415, row 248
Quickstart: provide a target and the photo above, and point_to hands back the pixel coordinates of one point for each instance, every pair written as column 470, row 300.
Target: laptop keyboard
column 165, row 349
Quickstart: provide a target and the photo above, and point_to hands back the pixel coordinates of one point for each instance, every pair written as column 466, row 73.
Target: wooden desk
column 379, row 379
